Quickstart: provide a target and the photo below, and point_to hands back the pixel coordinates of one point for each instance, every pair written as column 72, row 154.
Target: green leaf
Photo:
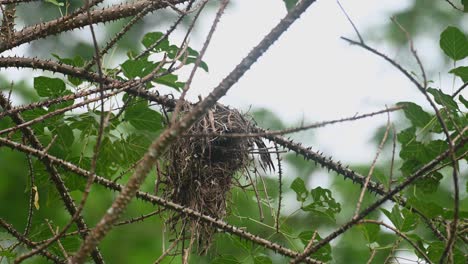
column 152, row 38
column 381, row 177
column 290, row 4
column 465, row 5
column 429, row 209
column 434, row 148
column 64, row 104
column 410, row 221
column 415, row 153
column 112, row 154
column 463, row 100
column 261, row 259
column 226, row 259
column 429, row 183
column 137, row 68
column 403, row 220
column 413, row 150
column 299, row 187
column 394, row 216
column 323, row 203
column 324, row 253
column 55, row 2
column 193, row 55
column 371, row 231
column 48, row 87
column 34, row 113
column 443, row 99
column 64, row 140
column 415, row 113
column 133, row 147
column 453, row 42
column 7, row 253
column 435, row 250
column 144, row 118
column 74, row 182
column 86, row 123
column 202, row 64
column 76, row 61
column 461, row 72
column 409, row 166
column 305, row 236
column 171, row 81
column 407, row 135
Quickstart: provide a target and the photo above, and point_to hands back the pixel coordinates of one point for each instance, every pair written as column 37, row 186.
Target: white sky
column 310, row 73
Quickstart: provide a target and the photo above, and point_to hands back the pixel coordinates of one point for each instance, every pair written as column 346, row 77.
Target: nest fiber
column 201, row 166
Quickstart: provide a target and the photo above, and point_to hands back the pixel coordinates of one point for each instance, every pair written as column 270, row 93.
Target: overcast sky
column 310, row 74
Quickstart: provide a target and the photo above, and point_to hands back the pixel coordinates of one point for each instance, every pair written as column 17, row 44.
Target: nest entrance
column 199, row 170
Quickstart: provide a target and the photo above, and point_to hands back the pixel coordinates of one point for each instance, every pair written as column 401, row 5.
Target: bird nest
column 201, row 166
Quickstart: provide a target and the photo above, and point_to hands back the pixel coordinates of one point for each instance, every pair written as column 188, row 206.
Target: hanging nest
column 199, row 170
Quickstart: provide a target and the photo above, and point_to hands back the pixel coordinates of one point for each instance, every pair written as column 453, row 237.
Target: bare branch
column 169, row 135
column 23, row 239
column 298, row 129
column 372, row 167
column 409, row 180
column 155, row 200
column 402, row 235
column 422, row 89
column 56, row 179
column 108, row 14
column 350, row 21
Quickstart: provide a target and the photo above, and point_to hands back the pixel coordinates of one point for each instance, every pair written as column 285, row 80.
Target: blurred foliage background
column 143, row 242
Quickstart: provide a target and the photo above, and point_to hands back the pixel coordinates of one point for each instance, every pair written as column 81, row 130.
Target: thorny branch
column 56, row 179
column 107, row 14
column 109, row 87
column 23, row 239
column 409, row 180
column 153, row 199
column 171, row 133
column 422, row 89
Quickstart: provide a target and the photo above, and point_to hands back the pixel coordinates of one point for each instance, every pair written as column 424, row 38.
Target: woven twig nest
column 199, row 170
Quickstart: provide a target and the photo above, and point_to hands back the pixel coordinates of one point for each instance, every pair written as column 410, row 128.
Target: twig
column 456, row 210
column 169, row 135
column 413, row 51
column 351, row 22
column 392, row 162
column 64, row 252
column 297, row 129
column 400, row 234
column 108, row 14
column 395, row 246
column 372, row 256
column 460, row 89
column 56, row 179
column 200, row 56
column 307, row 248
column 409, row 180
column 4, row 2
column 372, row 167
column 138, row 219
column 280, row 189
column 259, row 204
column 23, row 239
column 32, row 194
column 170, row 205
column 453, row 5
column 167, row 251
column 168, row 32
